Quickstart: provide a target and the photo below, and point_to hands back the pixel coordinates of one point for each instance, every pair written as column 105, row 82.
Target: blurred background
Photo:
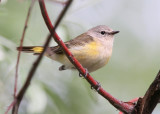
column 131, row 69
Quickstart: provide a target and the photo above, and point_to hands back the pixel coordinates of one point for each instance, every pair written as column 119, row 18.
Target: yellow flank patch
column 92, row 49
column 89, row 51
column 37, row 49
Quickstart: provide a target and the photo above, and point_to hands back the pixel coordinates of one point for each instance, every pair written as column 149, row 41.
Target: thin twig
column 68, row 3
column 19, row 55
column 124, row 107
column 31, row 73
column 10, row 106
column 21, row 43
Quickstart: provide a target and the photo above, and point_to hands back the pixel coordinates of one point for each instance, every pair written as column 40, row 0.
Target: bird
column 92, row 49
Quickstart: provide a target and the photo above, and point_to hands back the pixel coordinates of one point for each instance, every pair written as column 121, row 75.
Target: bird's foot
column 86, row 73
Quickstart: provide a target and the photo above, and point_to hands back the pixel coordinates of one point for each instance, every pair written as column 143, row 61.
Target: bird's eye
column 103, row 32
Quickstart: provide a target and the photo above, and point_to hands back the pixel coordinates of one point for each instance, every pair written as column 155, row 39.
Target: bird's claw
column 96, row 87
column 86, row 73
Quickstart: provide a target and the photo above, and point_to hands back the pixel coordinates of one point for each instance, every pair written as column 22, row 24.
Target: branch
column 19, row 55
column 20, row 95
column 147, row 104
column 124, row 107
column 21, row 43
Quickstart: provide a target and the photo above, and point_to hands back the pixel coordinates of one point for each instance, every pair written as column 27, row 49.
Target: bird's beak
column 114, row 32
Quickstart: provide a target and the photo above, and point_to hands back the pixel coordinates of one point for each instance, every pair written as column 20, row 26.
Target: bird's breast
column 96, row 55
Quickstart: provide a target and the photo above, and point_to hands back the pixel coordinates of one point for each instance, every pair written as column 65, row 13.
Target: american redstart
column 92, row 49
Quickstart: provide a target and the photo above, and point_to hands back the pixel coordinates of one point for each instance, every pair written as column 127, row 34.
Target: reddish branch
column 132, row 102
column 10, row 106
column 124, row 107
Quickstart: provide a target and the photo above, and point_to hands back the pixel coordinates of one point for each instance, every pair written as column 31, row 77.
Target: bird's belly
column 94, row 64
column 90, row 57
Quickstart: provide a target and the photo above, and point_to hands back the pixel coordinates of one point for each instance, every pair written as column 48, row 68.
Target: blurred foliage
column 133, row 66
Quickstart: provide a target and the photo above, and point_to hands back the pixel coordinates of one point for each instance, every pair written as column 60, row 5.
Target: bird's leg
column 96, row 87
column 62, row 68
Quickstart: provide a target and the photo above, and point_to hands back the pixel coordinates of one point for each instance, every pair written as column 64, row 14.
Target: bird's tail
column 31, row 49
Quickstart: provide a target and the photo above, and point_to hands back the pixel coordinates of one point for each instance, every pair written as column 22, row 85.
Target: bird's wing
column 81, row 40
